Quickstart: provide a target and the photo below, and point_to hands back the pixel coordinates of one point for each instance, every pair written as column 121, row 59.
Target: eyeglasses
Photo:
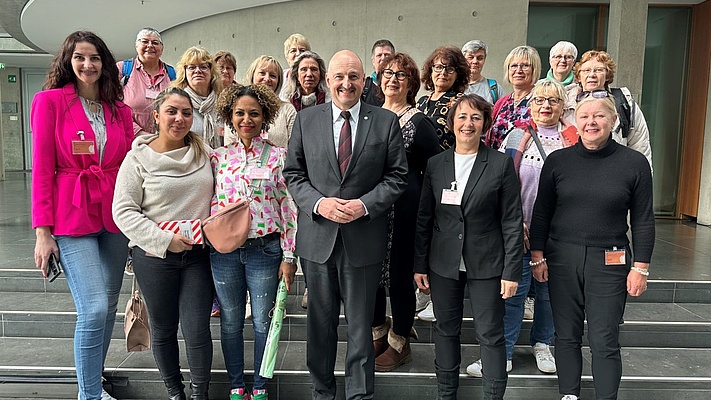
column 559, row 57
column 223, row 68
column 553, row 101
column 524, row 67
column 597, row 71
column 439, row 68
column 597, row 94
column 399, row 75
column 146, row 42
column 193, row 67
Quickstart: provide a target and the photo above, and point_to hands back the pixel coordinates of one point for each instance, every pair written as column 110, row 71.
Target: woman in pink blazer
column 81, row 132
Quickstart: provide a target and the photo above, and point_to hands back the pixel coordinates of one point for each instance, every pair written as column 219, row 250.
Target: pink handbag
column 227, row 229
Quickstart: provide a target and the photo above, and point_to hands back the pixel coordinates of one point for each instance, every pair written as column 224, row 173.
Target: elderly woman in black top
column 469, row 233
column 446, row 74
column 579, row 244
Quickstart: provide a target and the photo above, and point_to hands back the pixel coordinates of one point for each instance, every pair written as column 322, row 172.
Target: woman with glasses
column 226, row 66
column 475, row 53
column 446, row 74
column 143, row 77
column 399, row 81
column 294, row 45
column 529, row 146
column 594, row 74
column 198, row 76
column 579, row 244
column 562, row 58
column 522, row 68
column 266, row 70
column 306, row 85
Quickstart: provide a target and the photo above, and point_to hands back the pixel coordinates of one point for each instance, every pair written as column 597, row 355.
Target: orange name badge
column 83, row 147
column 615, row 257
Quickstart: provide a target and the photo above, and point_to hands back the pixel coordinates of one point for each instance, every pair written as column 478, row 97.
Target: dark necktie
column 344, row 143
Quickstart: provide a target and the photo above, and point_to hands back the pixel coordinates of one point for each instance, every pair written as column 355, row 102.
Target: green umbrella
column 272, row 346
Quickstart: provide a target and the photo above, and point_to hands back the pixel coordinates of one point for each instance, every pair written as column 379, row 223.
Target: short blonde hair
column 607, row 102
column 529, row 54
column 260, row 61
column 296, row 38
column 545, row 86
column 196, row 55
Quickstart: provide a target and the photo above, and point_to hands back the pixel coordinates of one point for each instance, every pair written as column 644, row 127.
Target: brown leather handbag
column 227, row 229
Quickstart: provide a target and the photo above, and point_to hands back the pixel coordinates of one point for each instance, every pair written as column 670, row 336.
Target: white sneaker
column 421, row 300
column 474, row 369
column 528, row 307
column 544, row 358
column 428, row 313
column 106, row 396
column 569, row 397
column 248, row 308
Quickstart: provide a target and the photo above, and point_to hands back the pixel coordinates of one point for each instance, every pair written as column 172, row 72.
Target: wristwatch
column 290, row 260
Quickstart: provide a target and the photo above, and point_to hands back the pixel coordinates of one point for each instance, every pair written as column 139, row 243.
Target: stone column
column 626, row 37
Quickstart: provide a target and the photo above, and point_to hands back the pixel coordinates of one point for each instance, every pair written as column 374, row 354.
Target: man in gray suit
column 345, row 167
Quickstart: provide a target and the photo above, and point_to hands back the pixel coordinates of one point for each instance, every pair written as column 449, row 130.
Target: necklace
column 93, row 105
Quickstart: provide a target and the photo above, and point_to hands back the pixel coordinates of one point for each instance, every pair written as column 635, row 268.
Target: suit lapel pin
column 365, row 118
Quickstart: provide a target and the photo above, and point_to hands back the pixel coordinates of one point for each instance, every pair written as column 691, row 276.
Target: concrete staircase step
column 42, row 368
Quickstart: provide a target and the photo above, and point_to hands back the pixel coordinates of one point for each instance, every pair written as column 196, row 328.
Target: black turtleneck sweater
column 584, row 196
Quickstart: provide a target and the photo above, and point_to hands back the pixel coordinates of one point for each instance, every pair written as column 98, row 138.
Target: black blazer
column 487, row 229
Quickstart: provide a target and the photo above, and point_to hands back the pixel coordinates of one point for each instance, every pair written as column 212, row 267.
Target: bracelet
column 639, row 270
column 537, row 263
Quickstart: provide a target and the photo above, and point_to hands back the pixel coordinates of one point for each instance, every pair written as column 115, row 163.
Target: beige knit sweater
column 153, row 187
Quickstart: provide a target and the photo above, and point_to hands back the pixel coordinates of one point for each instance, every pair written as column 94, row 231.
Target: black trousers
column 488, row 310
column 176, row 289
column 580, row 285
column 331, row 283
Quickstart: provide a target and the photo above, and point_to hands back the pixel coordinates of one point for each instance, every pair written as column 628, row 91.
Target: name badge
column 451, row 197
column 151, row 93
column 83, row 147
column 615, row 257
column 260, row 173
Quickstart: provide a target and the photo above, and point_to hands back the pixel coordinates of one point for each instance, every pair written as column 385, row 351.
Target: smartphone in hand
column 54, row 268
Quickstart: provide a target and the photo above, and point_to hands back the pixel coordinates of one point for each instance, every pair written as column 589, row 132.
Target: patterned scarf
column 206, row 108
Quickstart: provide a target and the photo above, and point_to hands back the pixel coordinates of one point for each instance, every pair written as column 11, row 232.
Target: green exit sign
column 12, row 79
column 2, row 65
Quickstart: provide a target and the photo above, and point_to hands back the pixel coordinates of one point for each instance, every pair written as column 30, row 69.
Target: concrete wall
column 415, row 27
column 11, row 122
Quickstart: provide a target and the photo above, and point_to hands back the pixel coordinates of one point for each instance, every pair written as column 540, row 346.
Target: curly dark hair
column 452, row 57
column 409, row 66
column 61, row 72
column 474, row 101
column 265, row 96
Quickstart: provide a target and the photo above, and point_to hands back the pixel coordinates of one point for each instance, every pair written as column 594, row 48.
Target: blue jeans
column 255, row 268
column 93, row 265
column 542, row 330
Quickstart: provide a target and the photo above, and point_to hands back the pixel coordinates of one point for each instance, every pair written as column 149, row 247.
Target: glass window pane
column 665, row 66
column 549, row 24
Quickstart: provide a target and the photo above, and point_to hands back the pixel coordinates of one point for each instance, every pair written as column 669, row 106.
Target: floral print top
column 238, row 172
column 508, row 115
